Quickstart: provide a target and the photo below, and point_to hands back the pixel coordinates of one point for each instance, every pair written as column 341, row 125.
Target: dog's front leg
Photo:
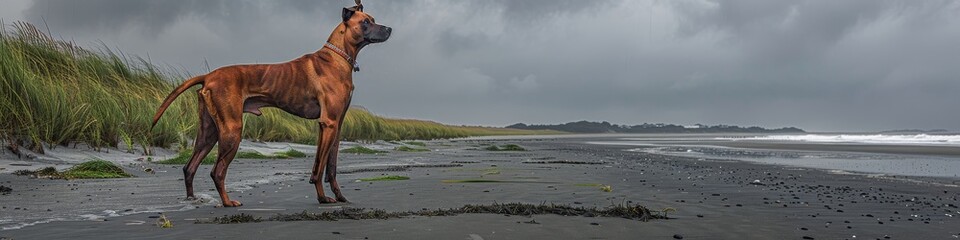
column 332, row 170
column 329, row 130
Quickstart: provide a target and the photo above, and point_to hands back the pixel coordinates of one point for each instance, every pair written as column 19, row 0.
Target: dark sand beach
column 712, row 198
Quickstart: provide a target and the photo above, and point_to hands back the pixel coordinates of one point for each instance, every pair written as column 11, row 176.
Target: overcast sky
column 820, row 65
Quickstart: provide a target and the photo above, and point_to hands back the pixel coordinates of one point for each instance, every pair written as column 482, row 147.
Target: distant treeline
column 606, row 127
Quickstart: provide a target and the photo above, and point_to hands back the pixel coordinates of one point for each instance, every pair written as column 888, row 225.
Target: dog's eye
column 366, row 21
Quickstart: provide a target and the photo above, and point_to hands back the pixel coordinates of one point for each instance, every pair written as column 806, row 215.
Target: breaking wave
column 915, row 139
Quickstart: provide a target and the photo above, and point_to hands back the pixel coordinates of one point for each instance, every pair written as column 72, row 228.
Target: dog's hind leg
column 229, row 120
column 206, row 139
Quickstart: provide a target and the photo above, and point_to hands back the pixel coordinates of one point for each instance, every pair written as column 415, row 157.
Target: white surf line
column 134, row 222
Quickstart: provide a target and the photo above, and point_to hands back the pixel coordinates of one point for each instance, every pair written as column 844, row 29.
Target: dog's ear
column 347, row 13
column 359, row 6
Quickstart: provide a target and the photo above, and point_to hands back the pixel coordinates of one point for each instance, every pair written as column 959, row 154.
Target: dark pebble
column 677, row 236
column 595, row 224
column 338, row 233
column 807, row 237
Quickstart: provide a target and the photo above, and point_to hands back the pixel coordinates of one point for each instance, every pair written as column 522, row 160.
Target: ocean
column 924, row 155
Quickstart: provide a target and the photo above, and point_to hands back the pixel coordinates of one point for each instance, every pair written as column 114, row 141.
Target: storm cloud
column 818, row 65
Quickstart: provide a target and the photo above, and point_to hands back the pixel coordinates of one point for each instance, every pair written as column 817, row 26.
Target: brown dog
column 316, row 86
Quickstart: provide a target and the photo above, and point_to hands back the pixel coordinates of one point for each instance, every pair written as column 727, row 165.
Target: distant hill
column 606, row 127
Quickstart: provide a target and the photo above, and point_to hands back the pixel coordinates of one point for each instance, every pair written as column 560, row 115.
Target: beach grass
column 92, row 169
column 292, row 153
column 415, row 143
column 54, row 93
column 95, row 169
column 361, row 150
column 184, row 155
column 410, row 149
column 384, row 178
column 252, row 155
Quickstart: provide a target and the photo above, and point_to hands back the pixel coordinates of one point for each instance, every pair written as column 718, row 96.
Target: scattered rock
column 5, row 190
column 677, row 236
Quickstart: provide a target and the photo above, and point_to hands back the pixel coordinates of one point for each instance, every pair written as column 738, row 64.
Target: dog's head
column 362, row 27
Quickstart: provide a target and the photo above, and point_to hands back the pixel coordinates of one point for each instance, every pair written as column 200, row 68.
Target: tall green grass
column 55, row 93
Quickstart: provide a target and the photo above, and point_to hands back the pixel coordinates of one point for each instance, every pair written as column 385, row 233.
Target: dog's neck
column 340, row 44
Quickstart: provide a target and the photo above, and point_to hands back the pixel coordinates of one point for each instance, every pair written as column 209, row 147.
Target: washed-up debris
column 635, row 212
column 757, row 182
column 164, row 222
column 561, row 162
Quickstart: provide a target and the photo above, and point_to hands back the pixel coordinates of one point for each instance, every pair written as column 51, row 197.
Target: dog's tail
column 173, row 95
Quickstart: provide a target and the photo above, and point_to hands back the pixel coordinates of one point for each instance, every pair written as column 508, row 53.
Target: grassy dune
column 55, row 93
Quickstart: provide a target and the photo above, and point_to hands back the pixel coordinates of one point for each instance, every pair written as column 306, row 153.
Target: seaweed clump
column 635, row 212
column 508, row 147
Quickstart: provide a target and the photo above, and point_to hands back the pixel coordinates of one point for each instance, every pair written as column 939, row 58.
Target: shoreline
column 707, row 195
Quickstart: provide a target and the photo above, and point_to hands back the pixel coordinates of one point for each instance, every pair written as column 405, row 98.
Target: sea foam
column 912, row 139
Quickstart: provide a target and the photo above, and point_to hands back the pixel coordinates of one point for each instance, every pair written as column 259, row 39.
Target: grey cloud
column 522, row 12
column 91, row 15
column 823, row 65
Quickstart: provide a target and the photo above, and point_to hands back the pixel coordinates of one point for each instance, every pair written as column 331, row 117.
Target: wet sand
column 714, row 199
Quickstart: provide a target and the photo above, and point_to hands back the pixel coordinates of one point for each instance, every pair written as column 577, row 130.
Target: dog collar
column 356, row 67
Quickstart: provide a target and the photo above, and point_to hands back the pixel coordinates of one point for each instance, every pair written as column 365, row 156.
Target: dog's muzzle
column 381, row 35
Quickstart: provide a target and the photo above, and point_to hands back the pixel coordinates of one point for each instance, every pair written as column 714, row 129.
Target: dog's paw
column 232, row 203
column 326, row 199
column 342, row 199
